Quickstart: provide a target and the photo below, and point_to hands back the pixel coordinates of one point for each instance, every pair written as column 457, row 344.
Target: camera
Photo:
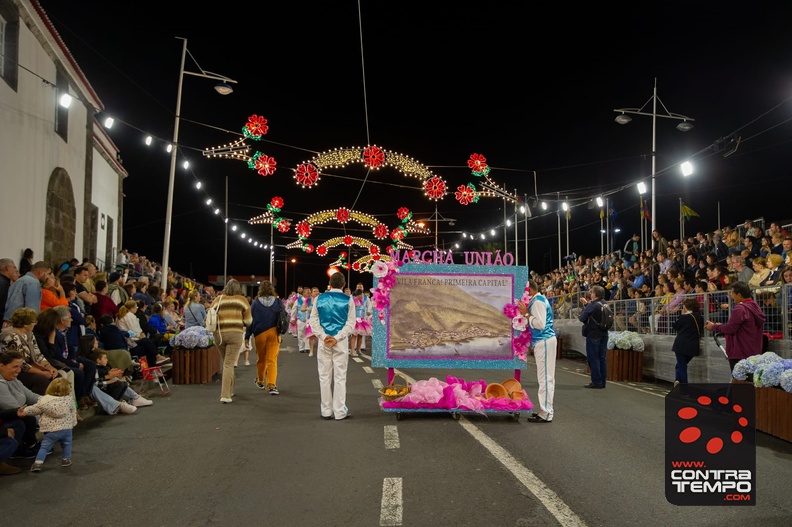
column 570, row 257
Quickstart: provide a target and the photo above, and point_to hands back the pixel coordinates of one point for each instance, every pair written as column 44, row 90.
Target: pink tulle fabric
column 362, row 327
column 456, row 394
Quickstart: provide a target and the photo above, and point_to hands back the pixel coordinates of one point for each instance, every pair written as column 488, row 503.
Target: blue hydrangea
column 786, row 380
column 742, row 369
column 770, row 374
column 192, row 338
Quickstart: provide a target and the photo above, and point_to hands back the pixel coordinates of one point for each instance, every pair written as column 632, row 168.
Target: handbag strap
column 696, row 323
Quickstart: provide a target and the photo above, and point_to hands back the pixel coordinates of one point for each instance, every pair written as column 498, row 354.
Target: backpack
column 283, row 318
column 210, row 322
column 606, row 317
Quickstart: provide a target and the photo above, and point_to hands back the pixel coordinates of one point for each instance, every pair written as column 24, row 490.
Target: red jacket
column 743, row 330
column 104, row 306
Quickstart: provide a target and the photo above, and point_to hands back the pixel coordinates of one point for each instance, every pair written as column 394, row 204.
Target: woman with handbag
column 687, row 343
column 233, row 316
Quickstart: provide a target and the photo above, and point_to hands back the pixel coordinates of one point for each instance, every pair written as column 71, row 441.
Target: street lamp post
column 223, row 89
column 684, row 126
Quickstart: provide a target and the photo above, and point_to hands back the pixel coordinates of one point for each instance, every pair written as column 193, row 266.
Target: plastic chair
column 153, row 373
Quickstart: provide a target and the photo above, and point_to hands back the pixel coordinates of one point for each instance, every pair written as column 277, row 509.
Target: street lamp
column 223, row 88
column 684, row 126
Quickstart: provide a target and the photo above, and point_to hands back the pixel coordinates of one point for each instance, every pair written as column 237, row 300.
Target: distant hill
column 425, row 316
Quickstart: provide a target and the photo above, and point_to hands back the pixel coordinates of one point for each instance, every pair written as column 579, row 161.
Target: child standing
column 58, row 417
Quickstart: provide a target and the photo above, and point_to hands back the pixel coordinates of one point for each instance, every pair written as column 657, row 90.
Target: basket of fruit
column 394, row 391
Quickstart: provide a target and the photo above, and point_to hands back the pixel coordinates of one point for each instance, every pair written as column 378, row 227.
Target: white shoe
column 247, row 363
column 311, row 354
column 142, row 401
column 226, row 400
column 127, row 408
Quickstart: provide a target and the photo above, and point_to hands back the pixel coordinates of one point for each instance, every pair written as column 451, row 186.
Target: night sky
column 531, row 88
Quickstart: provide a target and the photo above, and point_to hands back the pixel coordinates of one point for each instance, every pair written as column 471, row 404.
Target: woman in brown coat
column 233, row 316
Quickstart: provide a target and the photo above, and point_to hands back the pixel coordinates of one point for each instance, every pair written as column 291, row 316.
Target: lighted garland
column 467, row 194
column 255, row 128
column 271, row 216
column 307, row 173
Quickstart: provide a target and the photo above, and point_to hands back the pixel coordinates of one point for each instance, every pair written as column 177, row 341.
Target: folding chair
column 153, row 373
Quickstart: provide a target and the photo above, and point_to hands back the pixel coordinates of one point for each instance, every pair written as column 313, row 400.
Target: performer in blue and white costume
column 302, row 311
column 544, row 344
column 332, row 321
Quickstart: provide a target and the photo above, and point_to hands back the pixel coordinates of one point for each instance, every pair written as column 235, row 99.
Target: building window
column 9, row 42
column 61, row 113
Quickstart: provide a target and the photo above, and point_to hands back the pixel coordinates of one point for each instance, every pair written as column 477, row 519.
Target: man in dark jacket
column 596, row 338
column 687, row 343
column 744, row 329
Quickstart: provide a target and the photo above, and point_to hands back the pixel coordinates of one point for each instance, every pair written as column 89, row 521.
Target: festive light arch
column 307, row 173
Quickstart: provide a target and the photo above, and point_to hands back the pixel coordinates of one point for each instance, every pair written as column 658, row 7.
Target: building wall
column 35, row 160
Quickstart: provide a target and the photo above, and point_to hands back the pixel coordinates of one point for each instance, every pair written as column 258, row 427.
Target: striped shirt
column 234, row 313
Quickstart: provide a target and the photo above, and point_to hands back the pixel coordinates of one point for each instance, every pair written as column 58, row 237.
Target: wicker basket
column 401, row 389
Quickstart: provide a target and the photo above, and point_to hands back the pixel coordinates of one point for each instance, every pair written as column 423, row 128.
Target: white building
column 61, row 179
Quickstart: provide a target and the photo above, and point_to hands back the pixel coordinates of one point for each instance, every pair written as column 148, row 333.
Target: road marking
column 368, row 369
column 357, row 359
column 392, row 505
column 551, row 501
column 377, row 383
column 391, row 437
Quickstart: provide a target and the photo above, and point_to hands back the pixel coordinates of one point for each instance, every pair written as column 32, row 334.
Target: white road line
column 392, row 505
column 377, row 383
column 368, row 369
column 552, row 502
column 391, row 437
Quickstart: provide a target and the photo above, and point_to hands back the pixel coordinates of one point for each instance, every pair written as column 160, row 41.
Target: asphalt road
column 189, row 460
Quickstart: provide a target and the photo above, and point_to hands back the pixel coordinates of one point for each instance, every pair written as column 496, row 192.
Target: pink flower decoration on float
column 373, row 156
column 379, row 269
column 519, row 323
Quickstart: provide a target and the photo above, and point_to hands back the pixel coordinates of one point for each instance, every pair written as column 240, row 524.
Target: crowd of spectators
column 648, row 286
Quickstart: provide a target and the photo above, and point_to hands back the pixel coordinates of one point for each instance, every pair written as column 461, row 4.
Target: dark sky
column 531, row 88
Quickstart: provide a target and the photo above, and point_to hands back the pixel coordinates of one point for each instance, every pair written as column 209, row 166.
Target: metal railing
column 656, row 315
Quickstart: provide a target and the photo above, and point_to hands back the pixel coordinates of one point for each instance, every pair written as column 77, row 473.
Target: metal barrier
column 656, row 315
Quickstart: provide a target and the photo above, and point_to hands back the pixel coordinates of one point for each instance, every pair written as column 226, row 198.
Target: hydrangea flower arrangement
column 191, row 338
column 625, row 340
column 767, row 369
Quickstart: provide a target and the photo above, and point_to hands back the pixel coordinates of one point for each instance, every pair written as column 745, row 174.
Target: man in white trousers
column 544, row 344
column 332, row 321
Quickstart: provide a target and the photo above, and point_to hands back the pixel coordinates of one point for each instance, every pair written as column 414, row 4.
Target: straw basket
column 401, row 389
column 496, row 391
column 513, row 388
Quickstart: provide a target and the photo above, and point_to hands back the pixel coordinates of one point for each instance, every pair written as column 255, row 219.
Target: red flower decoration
column 402, row 213
column 348, row 240
column 309, row 248
column 373, row 250
column 373, row 156
column 381, row 231
column 377, row 256
column 321, row 250
column 465, row 194
column 356, row 266
column 477, row 162
column 256, row 125
column 303, row 229
column 277, row 202
column 265, row 165
column 307, row 175
column 342, row 255
column 397, row 234
column 346, row 265
column 342, row 215
column 283, row 226
column 435, row 188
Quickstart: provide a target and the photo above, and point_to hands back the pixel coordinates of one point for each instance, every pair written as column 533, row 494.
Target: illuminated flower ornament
column 306, row 175
column 263, row 164
column 435, row 188
column 477, row 163
column 466, row 194
column 255, row 128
